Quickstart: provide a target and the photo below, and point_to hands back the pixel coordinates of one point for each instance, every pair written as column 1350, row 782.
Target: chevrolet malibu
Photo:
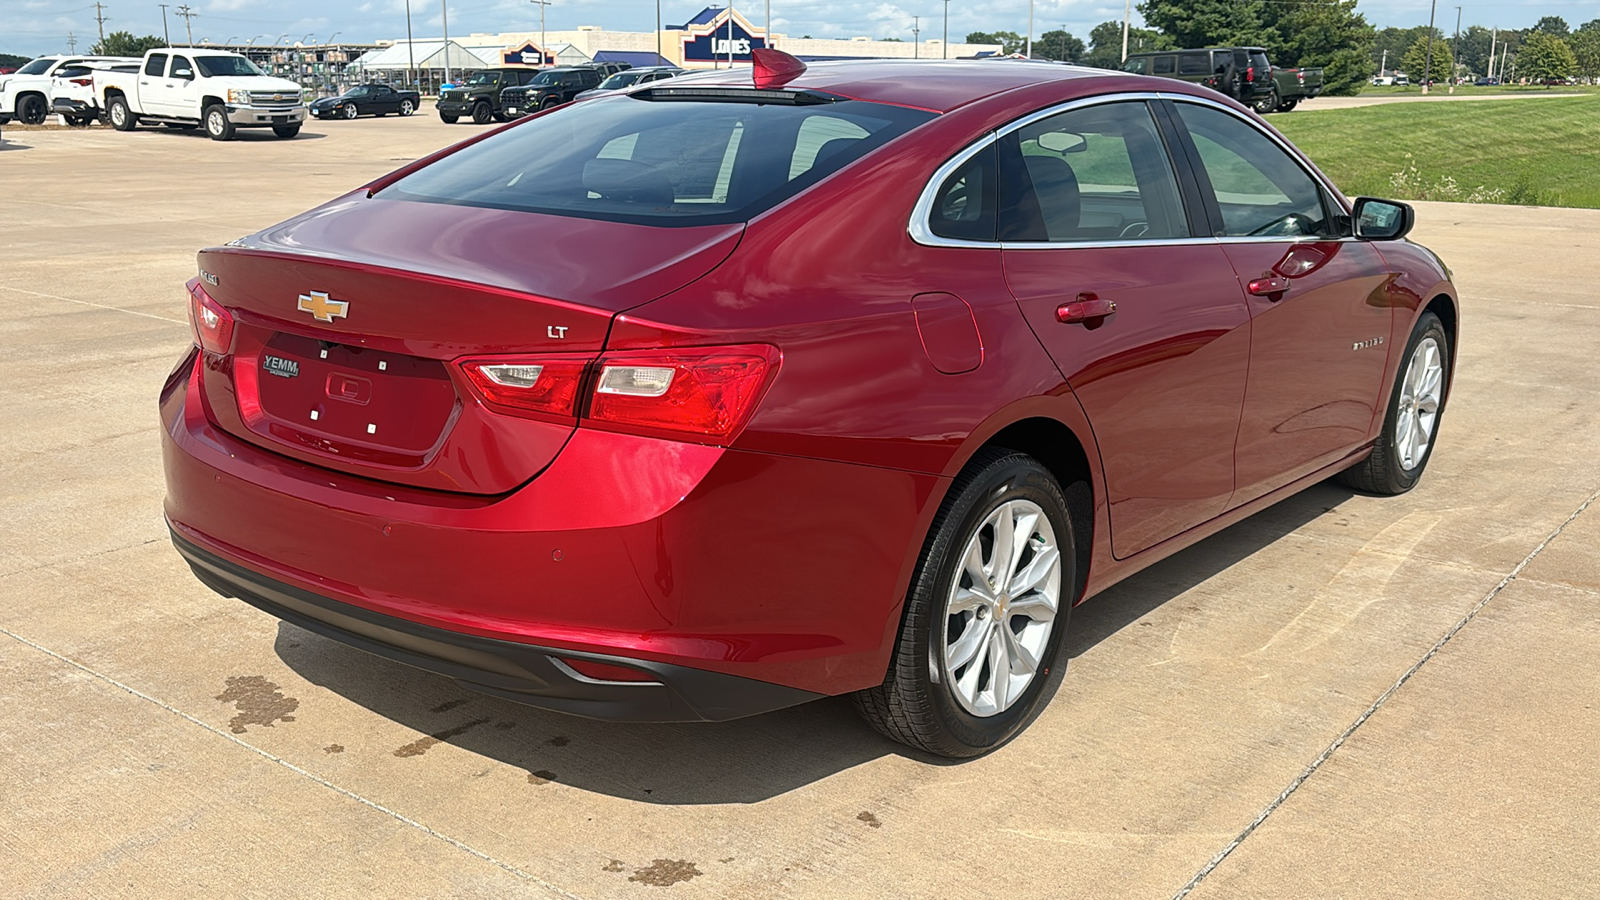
column 727, row 393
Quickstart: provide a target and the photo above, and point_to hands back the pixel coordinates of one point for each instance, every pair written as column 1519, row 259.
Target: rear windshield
column 217, row 66
column 656, row 162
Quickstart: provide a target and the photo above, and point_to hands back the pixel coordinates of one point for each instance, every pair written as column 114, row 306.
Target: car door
column 152, row 84
column 381, row 99
column 1317, row 299
column 1141, row 313
column 176, row 94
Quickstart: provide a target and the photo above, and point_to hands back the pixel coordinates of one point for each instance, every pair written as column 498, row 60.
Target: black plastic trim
column 526, row 673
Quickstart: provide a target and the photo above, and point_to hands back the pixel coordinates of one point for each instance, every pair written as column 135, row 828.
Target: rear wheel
column 1411, row 422
column 217, row 124
column 286, row 131
column 977, row 655
column 1287, row 105
column 482, row 114
column 31, row 110
column 407, row 107
column 1269, row 103
column 119, row 115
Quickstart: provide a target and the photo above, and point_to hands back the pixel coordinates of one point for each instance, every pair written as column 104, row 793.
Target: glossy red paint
column 783, row 556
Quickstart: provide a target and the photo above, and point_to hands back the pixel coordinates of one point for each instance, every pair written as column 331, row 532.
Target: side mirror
column 1382, row 220
column 1063, row 142
column 185, row 74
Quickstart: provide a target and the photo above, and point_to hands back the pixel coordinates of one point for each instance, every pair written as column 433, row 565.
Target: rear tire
column 120, row 116
column 1269, row 103
column 944, row 692
column 1288, row 105
column 1411, row 420
column 482, row 114
column 286, row 131
column 217, row 124
column 31, row 110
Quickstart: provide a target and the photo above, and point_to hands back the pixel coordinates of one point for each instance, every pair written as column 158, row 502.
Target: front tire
column 979, row 651
column 1411, row 422
column 448, row 118
column 286, row 131
column 482, row 114
column 1269, row 103
column 217, row 124
column 31, row 110
column 120, row 116
column 350, row 112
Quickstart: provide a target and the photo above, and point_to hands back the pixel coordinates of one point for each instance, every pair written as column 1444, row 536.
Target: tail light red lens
column 213, row 325
column 537, row 386
column 1250, row 74
column 704, row 392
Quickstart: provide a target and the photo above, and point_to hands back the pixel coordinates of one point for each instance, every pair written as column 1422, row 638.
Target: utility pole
column 164, row 32
column 658, row 32
column 188, row 24
column 543, row 53
column 100, row 19
column 916, row 43
column 72, row 42
column 1427, row 55
column 444, row 19
column 411, row 49
column 730, row 34
column 1494, row 36
column 1455, row 51
column 1383, row 62
column 944, row 45
column 1029, row 51
column 1127, row 13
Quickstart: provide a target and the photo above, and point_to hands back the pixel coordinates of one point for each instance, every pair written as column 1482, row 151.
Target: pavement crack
column 310, row 776
column 1377, row 704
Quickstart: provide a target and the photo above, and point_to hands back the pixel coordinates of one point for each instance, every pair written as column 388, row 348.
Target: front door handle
column 1271, row 286
column 1087, row 307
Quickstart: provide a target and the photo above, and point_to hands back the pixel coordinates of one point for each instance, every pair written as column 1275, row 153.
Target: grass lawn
column 1528, row 152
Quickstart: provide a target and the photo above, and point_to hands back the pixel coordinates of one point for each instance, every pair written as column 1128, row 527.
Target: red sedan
column 713, row 397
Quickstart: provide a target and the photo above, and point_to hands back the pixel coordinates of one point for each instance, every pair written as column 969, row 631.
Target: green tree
column 1058, row 45
column 1545, row 56
column 1472, row 50
column 123, row 43
column 1010, row 41
column 1585, row 43
column 1552, row 25
column 1389, row 45
column 1105, row 44
column 11, row 60
column 1208, row 23
column 1321, row 33
column 1413, row 64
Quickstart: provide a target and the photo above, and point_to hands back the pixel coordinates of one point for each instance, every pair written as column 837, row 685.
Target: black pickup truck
column 552, row 87
column 478, row 96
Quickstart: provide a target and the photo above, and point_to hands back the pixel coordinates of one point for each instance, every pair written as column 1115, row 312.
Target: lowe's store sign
column 527, row 55
column 714, row 42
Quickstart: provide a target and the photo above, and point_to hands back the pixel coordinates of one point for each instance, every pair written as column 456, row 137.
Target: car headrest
column 626, row 181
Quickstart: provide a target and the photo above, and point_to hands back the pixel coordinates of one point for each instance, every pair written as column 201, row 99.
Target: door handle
column 1270, row 286
column 1086, row 308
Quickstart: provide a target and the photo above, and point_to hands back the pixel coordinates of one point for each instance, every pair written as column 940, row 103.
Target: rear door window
column 1164, row 65
column 660, row 162
column 156, row 65
column 1194, row 64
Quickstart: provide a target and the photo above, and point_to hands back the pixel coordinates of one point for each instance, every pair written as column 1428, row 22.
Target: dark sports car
column 367, row 100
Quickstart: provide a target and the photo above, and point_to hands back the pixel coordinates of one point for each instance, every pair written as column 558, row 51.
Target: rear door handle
column 1270, row 286
column 1087, row 307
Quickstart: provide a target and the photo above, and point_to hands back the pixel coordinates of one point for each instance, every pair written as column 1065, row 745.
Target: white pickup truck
column 182, row 87
column 28, row 94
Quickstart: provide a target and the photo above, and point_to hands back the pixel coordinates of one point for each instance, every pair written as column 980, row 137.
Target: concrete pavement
column 157, row 740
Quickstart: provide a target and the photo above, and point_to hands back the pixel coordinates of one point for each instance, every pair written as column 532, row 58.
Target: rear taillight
column 213, row 325
column 698, row 393
column 82, row 82
column 1250, row 74
column 540, row 387
column 707, row 392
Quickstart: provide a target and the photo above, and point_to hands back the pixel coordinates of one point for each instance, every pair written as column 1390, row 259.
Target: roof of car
column 938, row 85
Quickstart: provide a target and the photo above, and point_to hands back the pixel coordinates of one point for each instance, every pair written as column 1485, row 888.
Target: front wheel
column 1269, row 103
column 119, row 115
column 448, row 118
column 286, row 131
column 407, row 107
column 1411, row 422
column 217, row 124
column 482, row 114
column 31, row 110
column 978, row 653
column 1288, row 105
column 350, row 112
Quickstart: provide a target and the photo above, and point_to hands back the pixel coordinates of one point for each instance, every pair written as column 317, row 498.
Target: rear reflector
column 599, row 671
column 213, row 325
column 706, row 392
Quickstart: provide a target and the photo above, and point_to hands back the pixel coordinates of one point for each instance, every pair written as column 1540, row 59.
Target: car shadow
column 11, row 144
column 743, row 761
column 242, row 135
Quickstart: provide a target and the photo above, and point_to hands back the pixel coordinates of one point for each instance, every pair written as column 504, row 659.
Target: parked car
column 1289, row 88
column 551, row 87
column 186, row 87
column 630, row 78
column 1242, row 73
column 26, row 95
column 72, row 94
column 607, row 69
column 778, row 383
column 478, row 95
column 367, row 100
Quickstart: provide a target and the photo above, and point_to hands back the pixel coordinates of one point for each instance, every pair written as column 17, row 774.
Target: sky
column 31, row 27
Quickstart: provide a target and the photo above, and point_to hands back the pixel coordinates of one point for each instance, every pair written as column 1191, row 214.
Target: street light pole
column 658, row 32
column 944, row 45
column 444, row 17
column 411, row 49
column 916, row 42
column 1029, row 51
column 1427, row 55
column 1127, row 13
column 164, row 32
column 543, row 53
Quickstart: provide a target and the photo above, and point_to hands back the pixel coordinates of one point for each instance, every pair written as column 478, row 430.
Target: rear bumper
column 70, row 107
column 525, row 673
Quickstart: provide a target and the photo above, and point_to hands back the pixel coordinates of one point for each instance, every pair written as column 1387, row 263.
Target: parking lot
column 1346, row 695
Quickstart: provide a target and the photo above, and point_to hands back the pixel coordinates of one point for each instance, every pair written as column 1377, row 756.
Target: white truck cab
column 187, row 86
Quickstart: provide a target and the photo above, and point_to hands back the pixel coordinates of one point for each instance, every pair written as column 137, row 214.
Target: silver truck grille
column 274, row 98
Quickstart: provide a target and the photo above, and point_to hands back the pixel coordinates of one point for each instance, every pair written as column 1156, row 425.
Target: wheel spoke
column 968, row 644
column 973, row 566
column 1021, row 538
column 1021, row 656
column 1035, row 606
column 968, row 600
column 1039, row 568
column 1000, row 669
column 1003, row 525
column 968, row 683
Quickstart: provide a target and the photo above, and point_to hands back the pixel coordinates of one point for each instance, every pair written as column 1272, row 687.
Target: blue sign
column 527, row 55
column 714, row 42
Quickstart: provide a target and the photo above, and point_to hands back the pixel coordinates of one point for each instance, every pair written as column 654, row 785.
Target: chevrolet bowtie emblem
column 322, row 308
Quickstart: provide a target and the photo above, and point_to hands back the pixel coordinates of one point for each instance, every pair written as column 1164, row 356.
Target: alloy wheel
column 1001, row 608
column 1421, row 391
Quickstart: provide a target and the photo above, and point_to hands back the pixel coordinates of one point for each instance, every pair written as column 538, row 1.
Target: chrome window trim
column 922, row 212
